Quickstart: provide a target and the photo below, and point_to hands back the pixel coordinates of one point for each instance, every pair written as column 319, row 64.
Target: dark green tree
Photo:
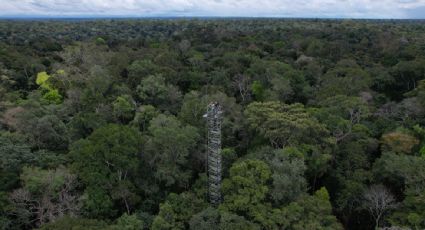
column 107, row 163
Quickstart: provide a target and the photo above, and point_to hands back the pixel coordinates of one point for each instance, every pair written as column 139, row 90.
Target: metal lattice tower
column 214, row 119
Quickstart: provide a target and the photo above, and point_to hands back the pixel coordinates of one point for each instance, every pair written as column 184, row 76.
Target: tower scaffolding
column 214, row 120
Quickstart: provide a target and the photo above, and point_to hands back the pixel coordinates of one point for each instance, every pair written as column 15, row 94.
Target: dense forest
column 102, row 127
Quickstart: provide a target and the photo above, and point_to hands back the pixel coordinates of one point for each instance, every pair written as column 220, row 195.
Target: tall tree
column 107, row 163
column 168, row 149
column 285, row 125
column 378, row 200
column 46, row 195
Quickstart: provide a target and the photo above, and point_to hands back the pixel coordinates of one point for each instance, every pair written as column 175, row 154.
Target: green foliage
column 123, row 108
column 14, row 152
column 50, row 94
column 246, row 189
column 45, row 196
column 288, row 169
column 342, row 115
column 284, row 124
column 83, row 124
column 192, row 109
column 97, row 202
column 113, row 151
column 41, row 80
column 36, row 180
column 207, row 219
column 168, row 147
column 69, row 223
column 246, row 185
column 141, row 69
column 155, row 91
column 177, row 210
column 411, row 213
column 230, row 221
column 307, row 104
column 407, row 73
column 347, row 78
column 53, row 96
column 5, row 221
column 144, row 114
column 50, row 132
column 403, row 171
column 288, row 176
column 100, row 41
column 257, row 90
column 312, row 212
column 407, row 173
column 127, row 222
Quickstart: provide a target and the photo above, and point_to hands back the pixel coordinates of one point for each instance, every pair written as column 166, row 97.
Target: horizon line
column 53, row 17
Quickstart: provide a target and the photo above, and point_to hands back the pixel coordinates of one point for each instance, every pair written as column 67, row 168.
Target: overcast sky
column 234, row 8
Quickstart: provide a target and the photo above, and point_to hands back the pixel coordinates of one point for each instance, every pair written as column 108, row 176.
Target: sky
column 383, row 9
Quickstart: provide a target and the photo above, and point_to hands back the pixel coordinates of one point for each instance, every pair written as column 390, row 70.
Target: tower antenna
column 214, row 117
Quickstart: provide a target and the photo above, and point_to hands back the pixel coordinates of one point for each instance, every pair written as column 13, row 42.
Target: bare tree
column 11, row 117
column 242, row 84
column 50, row 201
column 378, row 200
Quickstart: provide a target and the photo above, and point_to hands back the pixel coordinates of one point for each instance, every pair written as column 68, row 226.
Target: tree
column 309, row 212
column 127, row 222
column 288, row 169
column 41, row 80
column 257, row 90
column 42, row 128
column 207, row 219
column 155, row 91
column 347, row 78
column 408, row 73
column 378, row 201
column 285, row 125
column 123, row 108
column 342, row 115
column 50, row 132
column 50, row 94
column 5, row 220
column 288, row 176
column 211, row 218
column 168, row 147
column 96, row 88
column 83, row 124
column 292, row 126
column 290, row 87
column 420, row 92
column 410, row 212
column 14, row 152
column 144, row 114
column 403, row 172
column 242, row 84
column 166, row 220
column 45, row 196
column 351, row 172
column 113, row 153
column 231, row 221
column 245, row 191
column 192, row 110
column 72, row 223
column 177, row 210
column 398, row 142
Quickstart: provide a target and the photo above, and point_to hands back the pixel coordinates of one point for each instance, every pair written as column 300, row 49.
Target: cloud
column 255, row 8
